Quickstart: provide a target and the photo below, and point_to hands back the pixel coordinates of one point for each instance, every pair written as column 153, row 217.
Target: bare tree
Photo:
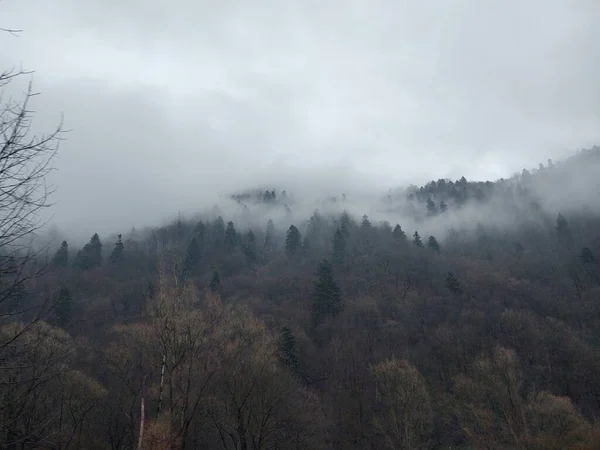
column 25, row 161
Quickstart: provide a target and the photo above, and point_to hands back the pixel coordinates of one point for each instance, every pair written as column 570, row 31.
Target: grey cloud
column 175, row 103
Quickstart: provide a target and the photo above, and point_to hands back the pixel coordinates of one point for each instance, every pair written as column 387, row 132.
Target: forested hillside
column 467, row 317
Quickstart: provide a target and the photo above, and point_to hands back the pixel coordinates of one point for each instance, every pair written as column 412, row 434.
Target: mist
column 171, row 109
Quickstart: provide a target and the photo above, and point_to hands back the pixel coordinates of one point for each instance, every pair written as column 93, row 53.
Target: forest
column 473, row 323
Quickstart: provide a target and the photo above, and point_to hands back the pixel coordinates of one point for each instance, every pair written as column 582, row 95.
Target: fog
column 174, row 106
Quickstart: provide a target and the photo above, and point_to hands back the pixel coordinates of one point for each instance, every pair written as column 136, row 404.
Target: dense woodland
column 333, row 332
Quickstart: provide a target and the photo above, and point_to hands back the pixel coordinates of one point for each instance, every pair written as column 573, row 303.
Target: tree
column 292, row 240
column 327, row 298
column 453, row 284
column 250, row 247
column 398, row 234
column 118, row 252
column 587, row 256
column 25, row 161
column 443, row 206
column 270, row 244
column 193, row 255
column 563, row 231
column 215, row 282
column 288, row 350
column 339, row 246
column 230, row 237
column 433, row 244
column 90, row 256
column 417, row 239
column 63, row 307
column 61, row 257
column 403, row 414
column 365, row 222
column 431, row 207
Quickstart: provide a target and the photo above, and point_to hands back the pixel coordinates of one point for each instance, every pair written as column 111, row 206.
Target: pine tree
column 193, row 255
column 215, row 282
column 63, row 307
column 587, row 256
column 288, row 350
column 292, row 240
column 431, row 207
column 270, row 237
column 443, row 206
column 366, row 223
column 563, row 230
column 118, row 252
column 90, row 255
column 453, row 284
column 417, row 239
column 399, row 234
column 339, row 247
column 327, row 300
column 200, row 232
column 230, row 237
column 250, row 246
column 61, row 257
column 433, row 244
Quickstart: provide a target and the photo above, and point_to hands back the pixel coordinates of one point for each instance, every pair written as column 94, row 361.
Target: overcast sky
column 172, row 102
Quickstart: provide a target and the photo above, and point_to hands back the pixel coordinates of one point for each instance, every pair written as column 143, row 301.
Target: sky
column 172, row 104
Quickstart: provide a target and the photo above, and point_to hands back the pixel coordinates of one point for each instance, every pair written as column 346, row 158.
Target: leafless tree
column 25, row 161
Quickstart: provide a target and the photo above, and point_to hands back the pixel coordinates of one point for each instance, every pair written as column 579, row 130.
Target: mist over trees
column 473, row 322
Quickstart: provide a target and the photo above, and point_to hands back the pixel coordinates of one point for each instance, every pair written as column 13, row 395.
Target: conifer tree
column 193, row 255
column 270, row 237
column 366, row 223
column 399, row 234
column 563, row 230
column 118, row 252
column 230, row 237
column 433, row 244
column 292, row 240
column 63, row 307
column 90, row 255
column 453, row 284
column 339, row 246
column 250, row 246
column 327, row 299
column 417, row 239
column 215, row 282
column 61, row 257
column 431, row 207
column 288, row 350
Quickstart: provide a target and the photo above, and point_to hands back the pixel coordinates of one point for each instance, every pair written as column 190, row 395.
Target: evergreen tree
column 288, row 350
column 443, row 206
column 250, row 246
column 193, row 255
column 118, row 252
column 587, row 256
column 453, row 284
column 63, row 307
column 90, row 255
column 366, row 223
column 61, row 257
column 433, row 244
column 399, row 234
column 339, row 247
column 292, row 240
column 563, row 230
column 431, row 207
column 417, row 239
column 200, row 232
column 230, row 237
column 217, row 232
column 215, row 282
column 270, row 237
column 327, row 299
